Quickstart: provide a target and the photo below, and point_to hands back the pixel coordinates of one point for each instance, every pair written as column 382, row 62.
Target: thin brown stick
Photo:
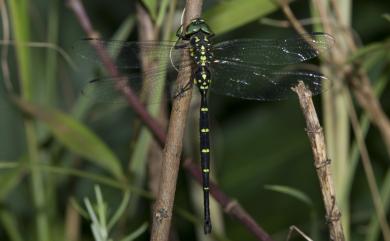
column 321, row 162
column 369, row 170
column 239, row 214
column 366, row 98
column 173, row 147
column 73, row 220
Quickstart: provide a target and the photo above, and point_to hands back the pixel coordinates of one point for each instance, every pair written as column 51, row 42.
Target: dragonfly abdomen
column 201, row 54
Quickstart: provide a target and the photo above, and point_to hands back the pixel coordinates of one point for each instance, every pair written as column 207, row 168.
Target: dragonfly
column 254, row 69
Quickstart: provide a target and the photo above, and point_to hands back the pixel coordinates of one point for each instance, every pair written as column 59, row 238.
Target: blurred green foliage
column 56, row 145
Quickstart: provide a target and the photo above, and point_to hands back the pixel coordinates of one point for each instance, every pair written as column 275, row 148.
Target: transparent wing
column 259, row 83
column 144, row 85
column 273, row 51
column 126, row 55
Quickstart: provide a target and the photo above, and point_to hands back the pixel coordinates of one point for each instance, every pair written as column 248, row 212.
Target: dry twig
column 321, row 162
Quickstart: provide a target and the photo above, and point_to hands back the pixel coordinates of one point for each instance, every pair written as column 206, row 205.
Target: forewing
column 127, row 55
column 273, row 51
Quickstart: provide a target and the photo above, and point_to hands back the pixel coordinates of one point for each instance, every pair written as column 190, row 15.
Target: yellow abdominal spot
column 206, row 170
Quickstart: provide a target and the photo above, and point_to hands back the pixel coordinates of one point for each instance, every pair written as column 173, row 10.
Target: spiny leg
column 181, row 90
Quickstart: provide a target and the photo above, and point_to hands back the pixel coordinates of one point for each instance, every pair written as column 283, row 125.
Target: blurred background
column 73, row 168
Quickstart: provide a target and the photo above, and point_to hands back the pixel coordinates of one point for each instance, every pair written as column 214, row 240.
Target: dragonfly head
column 197, row 25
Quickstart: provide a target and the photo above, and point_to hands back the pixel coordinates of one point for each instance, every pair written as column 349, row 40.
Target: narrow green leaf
column 88, row 175
column 100, row 207
column 369, row 49
column 231, row 14
column 79, row 208
column 136, row 233
column 386, row 16
column 10, row 179
column 19, row 15
column 122, row 33
column 49, row 92
column 162, row 12
column 75, row 136
column 291, row 192
column 151, row 5
column 121, row 209
column 10, row 225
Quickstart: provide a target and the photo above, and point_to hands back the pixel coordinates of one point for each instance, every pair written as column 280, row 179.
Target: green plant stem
column 373, row 227
column 51, row 58
column 20, row 24
column 37, row 183
column 9, row 224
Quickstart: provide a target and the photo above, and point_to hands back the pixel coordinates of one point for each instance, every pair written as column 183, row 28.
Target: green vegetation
column 75, row 169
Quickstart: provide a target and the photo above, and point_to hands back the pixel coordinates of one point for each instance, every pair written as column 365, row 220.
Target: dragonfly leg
column 181, row 90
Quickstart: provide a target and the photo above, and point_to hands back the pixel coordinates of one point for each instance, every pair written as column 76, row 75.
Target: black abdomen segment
column 205, row 159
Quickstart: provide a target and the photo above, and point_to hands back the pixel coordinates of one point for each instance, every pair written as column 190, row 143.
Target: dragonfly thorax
column 200, row 49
